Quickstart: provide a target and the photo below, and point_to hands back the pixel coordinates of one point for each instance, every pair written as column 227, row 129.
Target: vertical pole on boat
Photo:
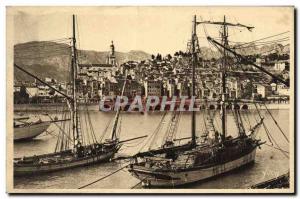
column 115, row 124
column 74, row 77
column 224, row 35
column 194, row 62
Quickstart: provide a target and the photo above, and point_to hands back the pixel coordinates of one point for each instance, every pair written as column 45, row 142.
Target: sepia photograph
column 150, row 99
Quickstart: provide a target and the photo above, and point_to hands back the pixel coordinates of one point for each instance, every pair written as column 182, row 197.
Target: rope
column 102, row 178
column 60, row 128
column 91, row 126
column 270, row 137
column 139, row 183
column 276, row 123
column 280, row 149
column 157, row 130
column 263, row 38
column 264, row 125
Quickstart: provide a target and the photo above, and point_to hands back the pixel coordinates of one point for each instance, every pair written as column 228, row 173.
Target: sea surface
column 269, row 162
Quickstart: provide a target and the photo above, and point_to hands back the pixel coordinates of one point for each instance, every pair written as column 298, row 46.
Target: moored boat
column 65, row 159
column 29, row 130
column 77, row 144
column 215, row 153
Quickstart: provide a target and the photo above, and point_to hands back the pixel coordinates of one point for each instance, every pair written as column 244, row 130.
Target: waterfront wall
column 60, row 107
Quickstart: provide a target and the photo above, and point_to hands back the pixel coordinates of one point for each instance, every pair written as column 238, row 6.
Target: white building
column 283, row 90
column 279, row 66
column 264, row 90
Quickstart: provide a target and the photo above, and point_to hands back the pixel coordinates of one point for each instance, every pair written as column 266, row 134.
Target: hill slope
column 50, row 59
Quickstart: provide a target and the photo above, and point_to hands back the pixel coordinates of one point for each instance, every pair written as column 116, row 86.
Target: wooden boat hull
column 46, row 168
column 30, row 131
column 151, row 178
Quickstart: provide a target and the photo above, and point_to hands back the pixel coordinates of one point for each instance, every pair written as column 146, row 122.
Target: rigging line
column 91, row 126
column 259, row 43
column 276, row 123
column 57, row 142
column 265, row 38
column 270, row 136
column 42, row 57
column 62, row 45
column 69, row 129
column 264, row 125
column 275, row 41
column 45, row 49
column 157, row 130
column 63, row 135
column 263, row 44
column 40, row 53
column 275, row 48
column 49, row 133
column 172, row 120
column 84, row 138
column 278, row 146
column 119, row 126
column 248, row 119
column 241, row 124
column 178, row 122
column 204, row 120
column 154, row 132
column 105, row 129
column 280, row 149
column 58, row 39
column 87, row 131
column 59, row 127
column 139, row 183
column 102, row 178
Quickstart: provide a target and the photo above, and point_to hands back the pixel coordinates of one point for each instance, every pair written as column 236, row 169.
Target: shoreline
column 59, row 107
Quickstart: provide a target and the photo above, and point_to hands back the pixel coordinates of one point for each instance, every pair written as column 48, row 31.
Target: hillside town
column 165, row 76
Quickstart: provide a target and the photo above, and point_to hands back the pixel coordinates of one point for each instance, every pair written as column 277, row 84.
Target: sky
column 151, row 29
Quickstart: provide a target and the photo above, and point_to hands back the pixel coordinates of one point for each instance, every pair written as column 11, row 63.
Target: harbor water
column 269, row 162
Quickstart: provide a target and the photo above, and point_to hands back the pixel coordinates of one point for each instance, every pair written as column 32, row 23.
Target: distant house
column 32, row 90
column 274, row 86
column 285, row 74
column 153, row 88
column 96, row 71
column 264, row 90
column 283, row 90
column 279, row 66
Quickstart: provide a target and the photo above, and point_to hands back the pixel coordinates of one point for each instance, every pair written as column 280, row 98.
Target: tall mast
column 116, row 120
column 76, row 133
column 224, row 35
column 194, row 62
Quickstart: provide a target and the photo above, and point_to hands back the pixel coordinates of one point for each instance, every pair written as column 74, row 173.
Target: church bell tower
column 111, row 59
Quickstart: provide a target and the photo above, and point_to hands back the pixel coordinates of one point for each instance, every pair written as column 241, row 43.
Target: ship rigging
column 76, row 146
column 176, row 165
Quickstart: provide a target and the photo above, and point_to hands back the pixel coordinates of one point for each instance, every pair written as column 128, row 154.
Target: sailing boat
column 80, row 153
column 196, row 161
column 26, row 130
